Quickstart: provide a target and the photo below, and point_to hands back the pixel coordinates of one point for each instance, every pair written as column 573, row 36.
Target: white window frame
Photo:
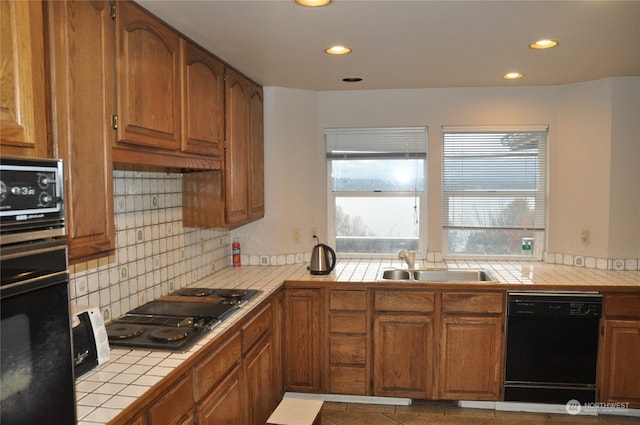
column 539, row 229
column 421, row 195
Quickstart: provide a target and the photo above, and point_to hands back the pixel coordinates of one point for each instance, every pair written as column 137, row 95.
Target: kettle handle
column 333, row 257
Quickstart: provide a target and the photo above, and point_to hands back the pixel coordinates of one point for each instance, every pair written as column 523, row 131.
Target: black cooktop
column 172, row 324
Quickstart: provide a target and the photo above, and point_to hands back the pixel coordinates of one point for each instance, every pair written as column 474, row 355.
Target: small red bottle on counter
column 235, row 250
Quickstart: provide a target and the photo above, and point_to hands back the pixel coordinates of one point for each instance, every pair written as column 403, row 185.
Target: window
column 376, row 188
column 494, row 191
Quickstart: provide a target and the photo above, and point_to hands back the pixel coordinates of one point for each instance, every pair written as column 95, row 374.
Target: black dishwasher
column 552, row 346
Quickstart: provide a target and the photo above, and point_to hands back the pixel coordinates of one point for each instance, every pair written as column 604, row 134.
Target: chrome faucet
column 409, row 258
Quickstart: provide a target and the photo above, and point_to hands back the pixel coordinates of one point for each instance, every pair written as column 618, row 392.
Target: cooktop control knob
column 3, row 191
column 43, row 181
column 45, row 198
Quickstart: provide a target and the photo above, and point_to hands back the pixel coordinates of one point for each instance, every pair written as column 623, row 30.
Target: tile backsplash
column 154, row 253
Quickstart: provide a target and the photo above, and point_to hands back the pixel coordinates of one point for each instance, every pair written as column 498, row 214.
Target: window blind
column 373, row 143
column 494, row 178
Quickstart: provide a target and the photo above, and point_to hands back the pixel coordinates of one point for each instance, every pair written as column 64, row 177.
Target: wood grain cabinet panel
column 471, row 352
column 202, row 102
column 174, row 406
column 259, row 377
column 619, row 350
column 212, row 369
column 403, row 356
column 148, row 79
column 226, row 404
column 404, row 301
column 82, row 72
column 302, row 340
column 23, row 96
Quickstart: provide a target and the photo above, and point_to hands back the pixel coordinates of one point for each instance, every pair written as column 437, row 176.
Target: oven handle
column 33, row 284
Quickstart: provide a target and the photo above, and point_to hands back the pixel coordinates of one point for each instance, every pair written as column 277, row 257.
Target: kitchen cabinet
column 166, row 90
column 176, row 406
column 23, row 97
column 347, row 362
column 471, row 346
column 203, row 102
column 260, row 366
column 235, row 196
column 81, row 38
column 302, row 340
column 148, row 79
column 403, row 343
column 225, row 405
column 619, row 354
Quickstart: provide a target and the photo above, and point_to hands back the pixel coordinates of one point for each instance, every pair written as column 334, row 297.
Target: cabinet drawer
column 347, row 380
column 347, row 300
column 347, row 323
column 347, row 349
column 622, row 305
column 174, row 405
column 472, row 302
column 210, row 371
column 258, row 326
column 404, row 301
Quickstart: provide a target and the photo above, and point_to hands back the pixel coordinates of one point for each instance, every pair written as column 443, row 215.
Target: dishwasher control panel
column 544, row 304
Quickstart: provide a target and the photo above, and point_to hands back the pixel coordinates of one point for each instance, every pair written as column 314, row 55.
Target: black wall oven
column 36, row 369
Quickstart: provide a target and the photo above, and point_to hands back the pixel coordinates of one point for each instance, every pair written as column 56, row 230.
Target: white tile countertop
column 103, row 394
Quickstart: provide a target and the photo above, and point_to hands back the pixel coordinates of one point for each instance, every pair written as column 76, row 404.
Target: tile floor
column 438, row 413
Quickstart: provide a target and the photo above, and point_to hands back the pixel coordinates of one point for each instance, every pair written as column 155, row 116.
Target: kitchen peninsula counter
column 130, row 374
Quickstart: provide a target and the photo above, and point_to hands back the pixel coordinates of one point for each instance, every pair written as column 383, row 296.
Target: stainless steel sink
column 421, row 275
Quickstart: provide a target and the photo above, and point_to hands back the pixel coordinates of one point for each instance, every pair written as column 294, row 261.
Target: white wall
column 587, row 131
column 624, row 228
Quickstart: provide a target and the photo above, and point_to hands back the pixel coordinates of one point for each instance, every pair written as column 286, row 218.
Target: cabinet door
column 471, row 353
column 203, row 102
column 23, row 120
column 175, row 406
column 81, row 45
column 148, row 81
column 237, row 150
column 620, row 374
column 256, row 152
column 261, row 397
column 403, row 353
column 225, row 406
column 302, row 340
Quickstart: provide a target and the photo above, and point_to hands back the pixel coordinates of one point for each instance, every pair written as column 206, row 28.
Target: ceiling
column 413, row 44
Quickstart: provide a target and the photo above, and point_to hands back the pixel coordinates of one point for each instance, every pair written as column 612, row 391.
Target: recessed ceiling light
column 338, row 50
column 313, row 3
column 543, row 44
column 512, row 76
column 352, row 79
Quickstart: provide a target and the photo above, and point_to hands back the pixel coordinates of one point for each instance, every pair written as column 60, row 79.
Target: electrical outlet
column 314, row 232
column 585, row 236
column 296, row 235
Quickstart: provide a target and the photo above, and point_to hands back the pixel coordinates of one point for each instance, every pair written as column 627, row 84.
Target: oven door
column 37, row 383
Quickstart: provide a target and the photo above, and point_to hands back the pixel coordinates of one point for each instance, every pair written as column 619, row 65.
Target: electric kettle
column 323, row 259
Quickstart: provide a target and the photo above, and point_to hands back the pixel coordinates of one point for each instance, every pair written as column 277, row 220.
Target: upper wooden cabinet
column 82, row 73
column 235, row 196
column 170, row 94
column 149, row 78
column 23, row 100
column 202, row 102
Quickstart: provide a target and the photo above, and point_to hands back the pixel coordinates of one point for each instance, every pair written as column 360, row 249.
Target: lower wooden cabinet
column 403, row 356
column 176, row 406
column 403, row 343
column 258, row 364
column 619, row 374
column 471, row 352
column 225, row 405
column 302, row 347
column 471, row 346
